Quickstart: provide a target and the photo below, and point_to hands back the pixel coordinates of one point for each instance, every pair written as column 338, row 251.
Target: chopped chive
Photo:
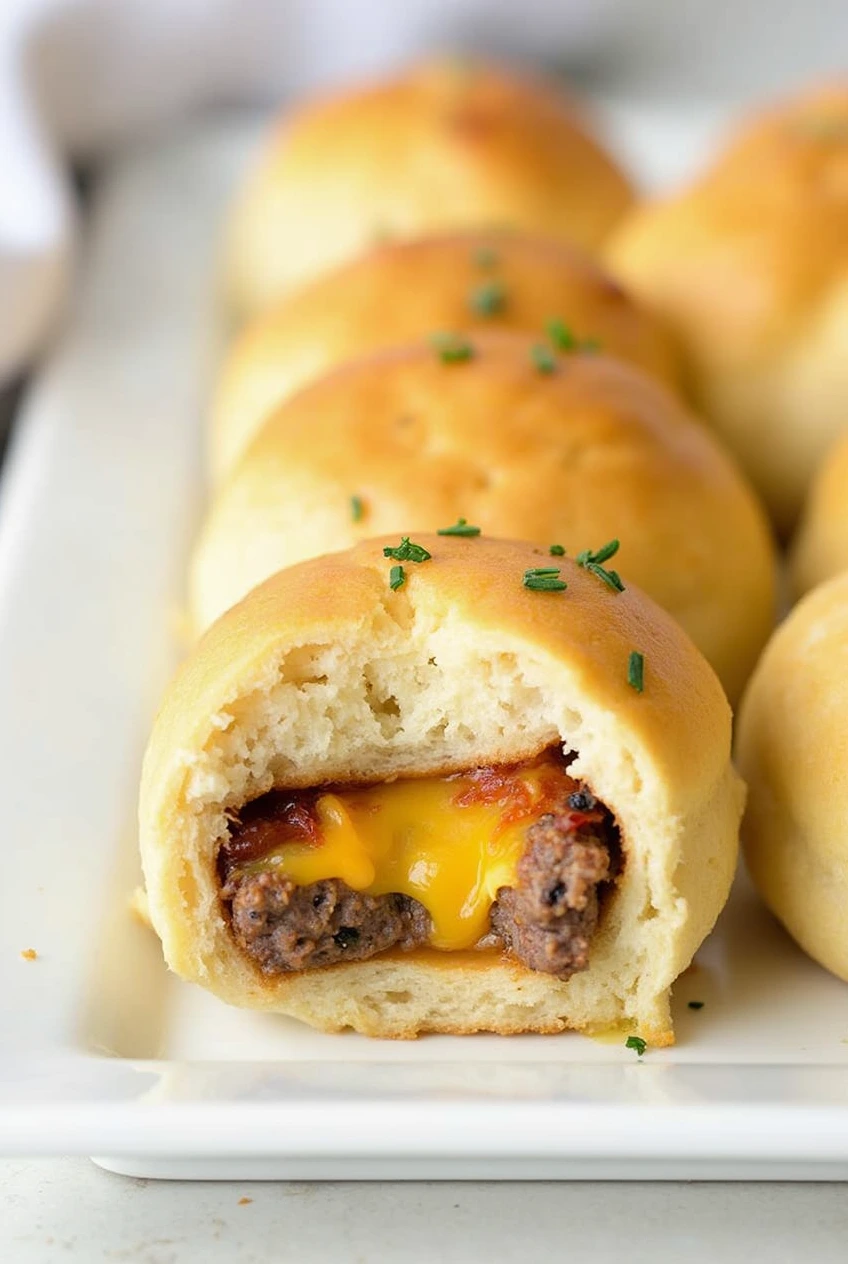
column 357, row 508
column 544, row 579
column 485, row 257
column 406, row 551
column 460, row 527
column 544, row 583
column 592, row 561
column 556, row 550
column 543, row 358
column 603, row 554
column 636, row 671
column 612, row 579
column 565, row 339
column 637, row 1043
column 452, row 348
column 488, row 299
column 397, row 578
column 696, row 1004
column 561, row 336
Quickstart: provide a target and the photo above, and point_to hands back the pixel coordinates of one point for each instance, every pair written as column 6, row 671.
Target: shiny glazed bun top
column 570, row 449
column 749, row 266
column 402, row 291
column 448, row 144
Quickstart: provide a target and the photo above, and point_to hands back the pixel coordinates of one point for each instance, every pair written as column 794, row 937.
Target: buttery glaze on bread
column 793, row 752
column 403, row 291
column 446, row 145
column 324, row 674
column 591, row 450
column 749, row 267
column 820, row 547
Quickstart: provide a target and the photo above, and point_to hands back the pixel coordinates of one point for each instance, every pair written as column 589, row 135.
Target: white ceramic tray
column 102, row 1052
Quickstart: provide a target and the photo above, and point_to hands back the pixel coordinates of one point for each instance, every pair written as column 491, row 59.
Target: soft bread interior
column 407, row 693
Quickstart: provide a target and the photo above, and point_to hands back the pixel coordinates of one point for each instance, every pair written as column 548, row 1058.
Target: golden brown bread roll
column 446, row 145
column 820, row 547
column 402, row 291
column 358, row 785
column 749, row 267
column 793, row 752
column 573, row 456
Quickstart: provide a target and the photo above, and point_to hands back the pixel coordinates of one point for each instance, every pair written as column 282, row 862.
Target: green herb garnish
column 561, row 336
column 357, row 508
column 565, row 339
column 544, row 579
column 452, row 348
column 594, row 561
column 556, row 550
column 460, row 527
column 696, row 1004
column 612, row 579
column 636, row 671
column 637, row 1043
column 397, row 578
column 543, row 358
column 406, row 551
column 486, row 257
column 598, row 556
column 488, row 299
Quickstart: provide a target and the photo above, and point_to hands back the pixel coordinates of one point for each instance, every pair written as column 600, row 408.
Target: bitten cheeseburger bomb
column 447, row 145
column 793, row 752
column 571, row 450
column 749, row 267
column 402, row 291
column 477, row 789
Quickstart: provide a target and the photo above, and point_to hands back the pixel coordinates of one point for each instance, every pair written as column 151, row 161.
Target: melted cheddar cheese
column 448, row 842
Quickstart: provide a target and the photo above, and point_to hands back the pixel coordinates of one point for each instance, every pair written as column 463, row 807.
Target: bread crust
column 577, row 456
column 404, row 291
column 444, row 145
column 749, row 267
column 288, row 688
column 820, row 547
column 793, row 751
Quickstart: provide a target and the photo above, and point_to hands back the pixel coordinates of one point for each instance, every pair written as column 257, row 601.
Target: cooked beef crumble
column 548, row 918
column 285, row 927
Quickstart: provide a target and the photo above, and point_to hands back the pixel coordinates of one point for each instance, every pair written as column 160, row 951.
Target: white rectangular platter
column 101, row 1051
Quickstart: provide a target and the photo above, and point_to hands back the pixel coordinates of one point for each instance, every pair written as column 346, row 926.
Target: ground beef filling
column 285, row 927
column 546, row 920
